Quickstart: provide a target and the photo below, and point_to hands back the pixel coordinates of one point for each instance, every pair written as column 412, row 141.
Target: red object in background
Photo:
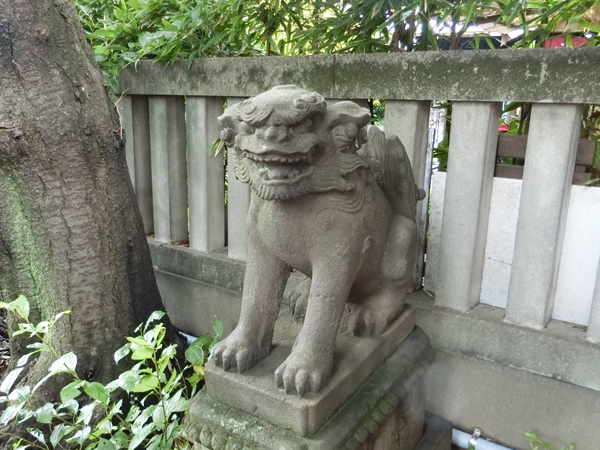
column 503, row 128
column 560, row 41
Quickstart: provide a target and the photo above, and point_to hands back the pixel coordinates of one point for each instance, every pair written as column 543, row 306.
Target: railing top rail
column 568, row 75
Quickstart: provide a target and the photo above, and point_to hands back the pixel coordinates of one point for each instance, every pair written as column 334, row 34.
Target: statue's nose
column 277, row 134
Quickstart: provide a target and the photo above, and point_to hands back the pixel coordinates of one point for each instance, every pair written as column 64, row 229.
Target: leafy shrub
column 142, row 408
column 536, row 443
column 124, row 31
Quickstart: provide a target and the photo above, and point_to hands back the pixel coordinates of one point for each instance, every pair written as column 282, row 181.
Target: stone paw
column 299, row 299
column 372, row 316
column 239, row 351
column 300, row 374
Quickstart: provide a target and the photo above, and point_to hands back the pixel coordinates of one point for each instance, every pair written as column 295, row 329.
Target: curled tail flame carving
column 391, row 167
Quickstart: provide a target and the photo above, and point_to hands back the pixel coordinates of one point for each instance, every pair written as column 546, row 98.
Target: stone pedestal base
column 255, row 391
column 386, row 412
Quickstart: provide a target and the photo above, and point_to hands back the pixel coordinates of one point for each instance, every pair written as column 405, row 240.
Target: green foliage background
column 124, row 31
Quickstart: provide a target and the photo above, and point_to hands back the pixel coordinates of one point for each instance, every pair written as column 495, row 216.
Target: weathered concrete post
column 338, row 206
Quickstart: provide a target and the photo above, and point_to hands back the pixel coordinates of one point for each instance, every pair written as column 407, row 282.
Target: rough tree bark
column 71, row 236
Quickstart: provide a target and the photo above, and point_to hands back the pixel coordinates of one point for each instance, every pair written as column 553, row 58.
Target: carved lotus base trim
column 387, row 408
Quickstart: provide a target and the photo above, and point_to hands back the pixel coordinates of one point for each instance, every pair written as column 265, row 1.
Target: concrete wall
column 580, row 251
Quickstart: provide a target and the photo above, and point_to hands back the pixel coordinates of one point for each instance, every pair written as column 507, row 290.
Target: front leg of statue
column 310, row 365
column 264, row 282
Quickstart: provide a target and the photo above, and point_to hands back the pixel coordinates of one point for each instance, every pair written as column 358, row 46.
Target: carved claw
column 226, row 358
column 242, row 360
column 301, row 382
column 316, row 379
column 239, row 351
column 216, row 354
column 279, row 376
column 301, row 375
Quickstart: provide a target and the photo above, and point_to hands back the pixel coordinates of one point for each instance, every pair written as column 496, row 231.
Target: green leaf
column 139, row 437
column 104, row 33
column 66, row 363
column 218, row 328
column 194, row 379
column 45, row 414
column 81, row 435
column 25, row 328
column 103, row 427
column 155, row 442
column 142, row 353
column 11, row 413
column 103, row 444
column 70, row 391
column 145, row 38
column 20, row 307
column 195, row 353
column 133, row 413
column 176, row 403
column 126, row 381
column 147, row 383
column 37, row 434
column 60, row 314
column 85, row 414
column 59, row 432
column 10, row 379
column 39, row 346
column 158, row 418
column 119, row 439
column 23, row 360
column 72, row 406
column 171, row 382
column 17, row 445
column 138, row 341
column 20, row 394
column 116, row 409
column 122, row 352
column 156, row 315
column 97, row 391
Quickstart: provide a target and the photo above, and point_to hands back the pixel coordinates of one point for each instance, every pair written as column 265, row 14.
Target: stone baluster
column 472, row 152
column 206, row 174
column 238, row 202
column 169, row 183
column 547, row 178
column 139, row 140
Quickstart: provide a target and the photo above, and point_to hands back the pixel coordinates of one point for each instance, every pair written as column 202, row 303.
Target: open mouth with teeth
column 276, row 168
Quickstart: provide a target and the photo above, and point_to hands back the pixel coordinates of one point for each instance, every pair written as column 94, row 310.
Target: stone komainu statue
column 330, row 202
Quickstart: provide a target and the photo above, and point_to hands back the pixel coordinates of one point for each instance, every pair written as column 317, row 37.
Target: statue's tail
column 390, row 164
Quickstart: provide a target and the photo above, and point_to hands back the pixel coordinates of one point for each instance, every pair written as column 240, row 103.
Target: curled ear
column 346, row 112
column 230, row 122
column 344, row 121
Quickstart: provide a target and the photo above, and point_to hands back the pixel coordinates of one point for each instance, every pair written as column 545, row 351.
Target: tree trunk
column 71, row 236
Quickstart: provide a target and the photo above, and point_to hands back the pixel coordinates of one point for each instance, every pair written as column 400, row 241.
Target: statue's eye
column 302, row 127
column 247, row 129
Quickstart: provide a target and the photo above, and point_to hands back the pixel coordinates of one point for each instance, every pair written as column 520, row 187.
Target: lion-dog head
column 288, row 142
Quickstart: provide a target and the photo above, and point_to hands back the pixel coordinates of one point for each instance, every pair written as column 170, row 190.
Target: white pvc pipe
column 188, row 337
column 461, row 439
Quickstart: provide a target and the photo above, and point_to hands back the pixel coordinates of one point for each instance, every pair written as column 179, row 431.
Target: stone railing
column 169, row 114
